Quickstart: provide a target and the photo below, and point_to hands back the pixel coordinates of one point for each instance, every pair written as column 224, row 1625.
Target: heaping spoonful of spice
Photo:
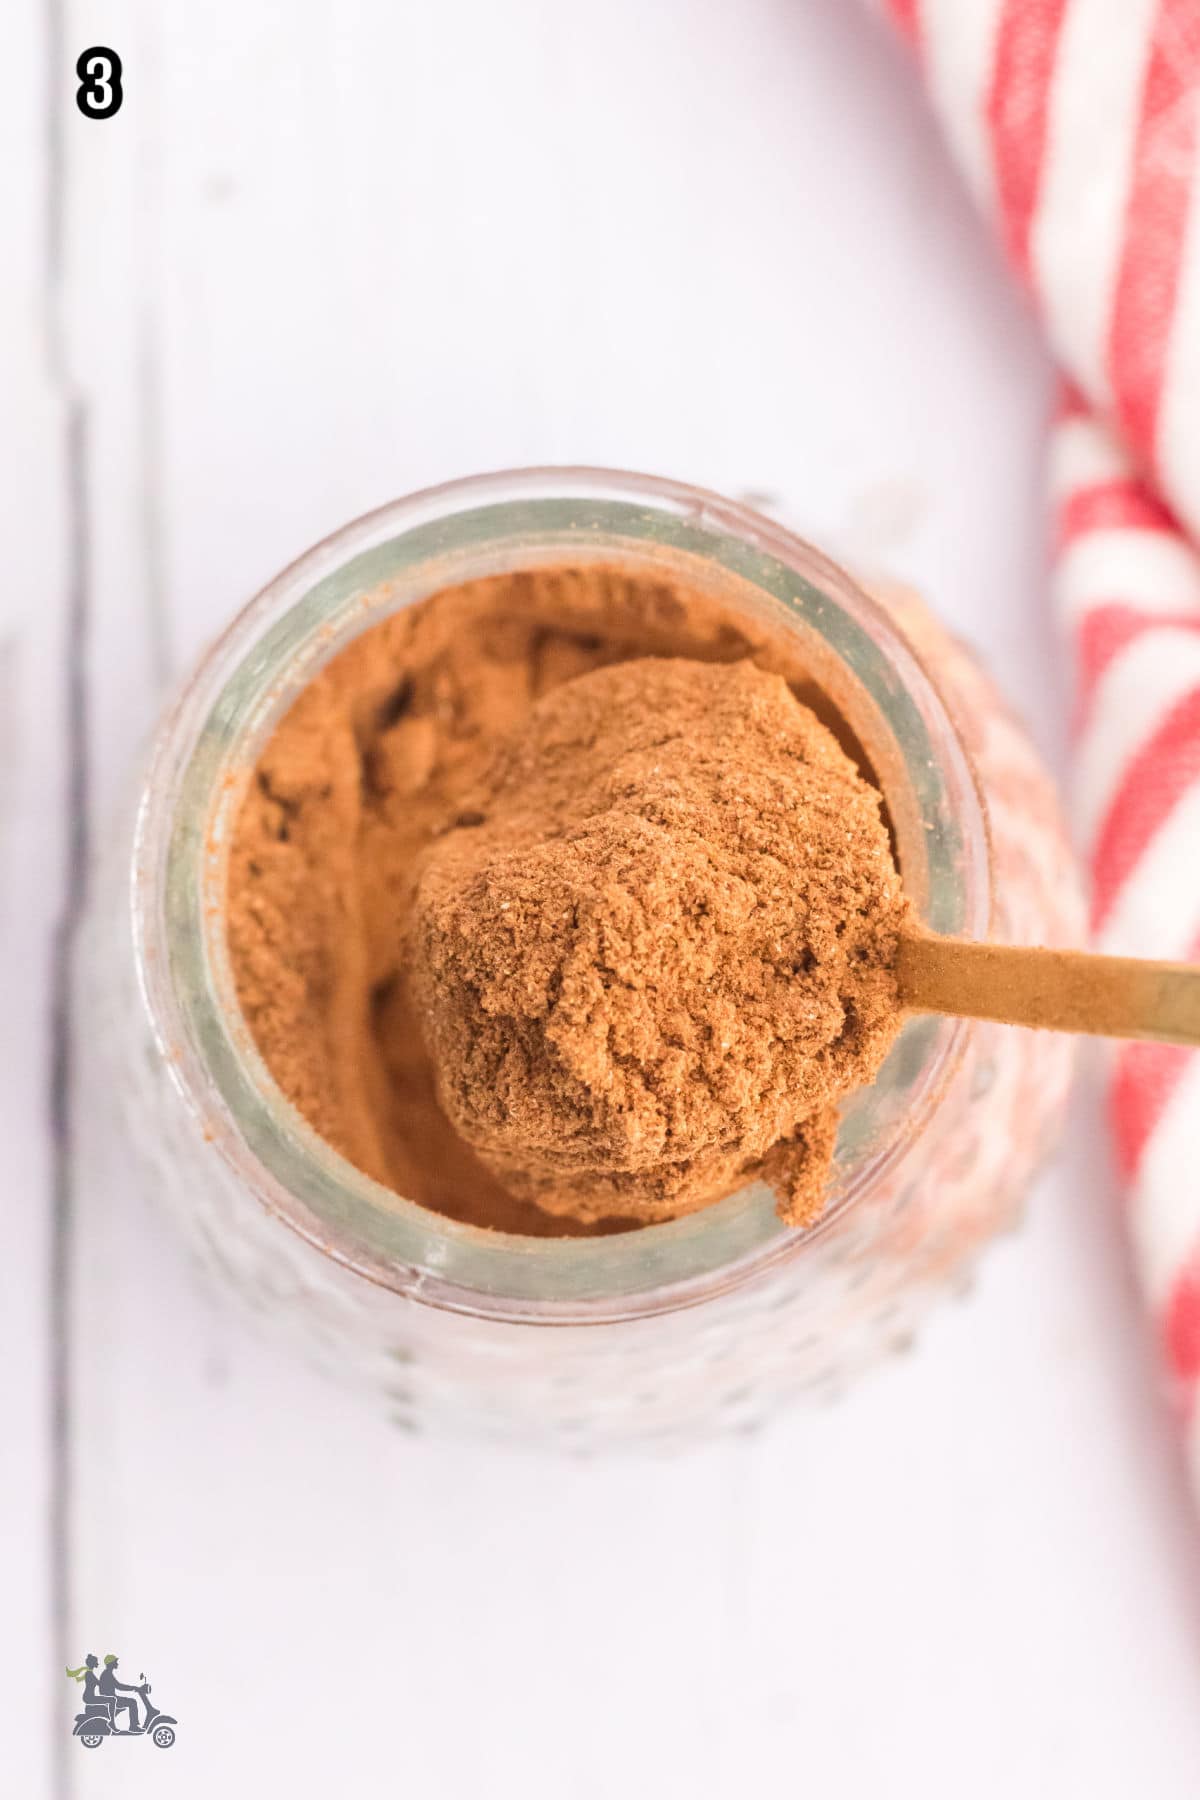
column 669, row 936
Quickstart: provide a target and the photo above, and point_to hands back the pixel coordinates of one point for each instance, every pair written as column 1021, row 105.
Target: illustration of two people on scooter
column 105, row 1699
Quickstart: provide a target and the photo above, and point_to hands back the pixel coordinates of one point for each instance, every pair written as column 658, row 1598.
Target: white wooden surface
column 331, row 250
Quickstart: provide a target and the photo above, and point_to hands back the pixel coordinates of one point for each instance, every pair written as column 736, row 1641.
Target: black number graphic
column 100, row 93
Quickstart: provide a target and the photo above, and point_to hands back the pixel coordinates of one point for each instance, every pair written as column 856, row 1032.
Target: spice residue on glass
column 550, row 924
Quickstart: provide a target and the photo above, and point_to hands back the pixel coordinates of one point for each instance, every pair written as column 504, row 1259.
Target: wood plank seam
column 61, row 1036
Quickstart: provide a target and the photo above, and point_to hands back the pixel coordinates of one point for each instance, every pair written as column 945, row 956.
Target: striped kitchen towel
column 1077, row 125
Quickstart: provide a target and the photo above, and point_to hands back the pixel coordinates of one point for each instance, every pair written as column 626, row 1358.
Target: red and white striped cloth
column 1077, row 125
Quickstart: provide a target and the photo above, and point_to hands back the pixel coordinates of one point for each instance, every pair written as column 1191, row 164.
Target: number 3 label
column 99, row 94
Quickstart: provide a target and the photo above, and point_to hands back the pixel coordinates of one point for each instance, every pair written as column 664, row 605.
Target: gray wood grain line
column 72, row 712
column 73, row 723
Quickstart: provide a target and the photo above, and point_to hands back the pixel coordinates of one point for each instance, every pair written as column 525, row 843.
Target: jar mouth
column 394, row 557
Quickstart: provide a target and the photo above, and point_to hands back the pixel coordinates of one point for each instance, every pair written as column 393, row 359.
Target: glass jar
column 653, row 1334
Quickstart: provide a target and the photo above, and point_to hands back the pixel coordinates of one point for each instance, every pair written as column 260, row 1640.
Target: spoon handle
column 1056, row 990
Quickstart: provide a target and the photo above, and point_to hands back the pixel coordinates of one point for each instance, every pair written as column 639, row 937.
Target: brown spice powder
column 733, row 905
column 665, row 947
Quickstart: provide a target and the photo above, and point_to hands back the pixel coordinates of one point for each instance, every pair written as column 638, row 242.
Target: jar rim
column 350, row 580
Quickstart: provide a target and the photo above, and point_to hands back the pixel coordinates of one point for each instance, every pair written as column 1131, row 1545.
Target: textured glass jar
column 653, row 1334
